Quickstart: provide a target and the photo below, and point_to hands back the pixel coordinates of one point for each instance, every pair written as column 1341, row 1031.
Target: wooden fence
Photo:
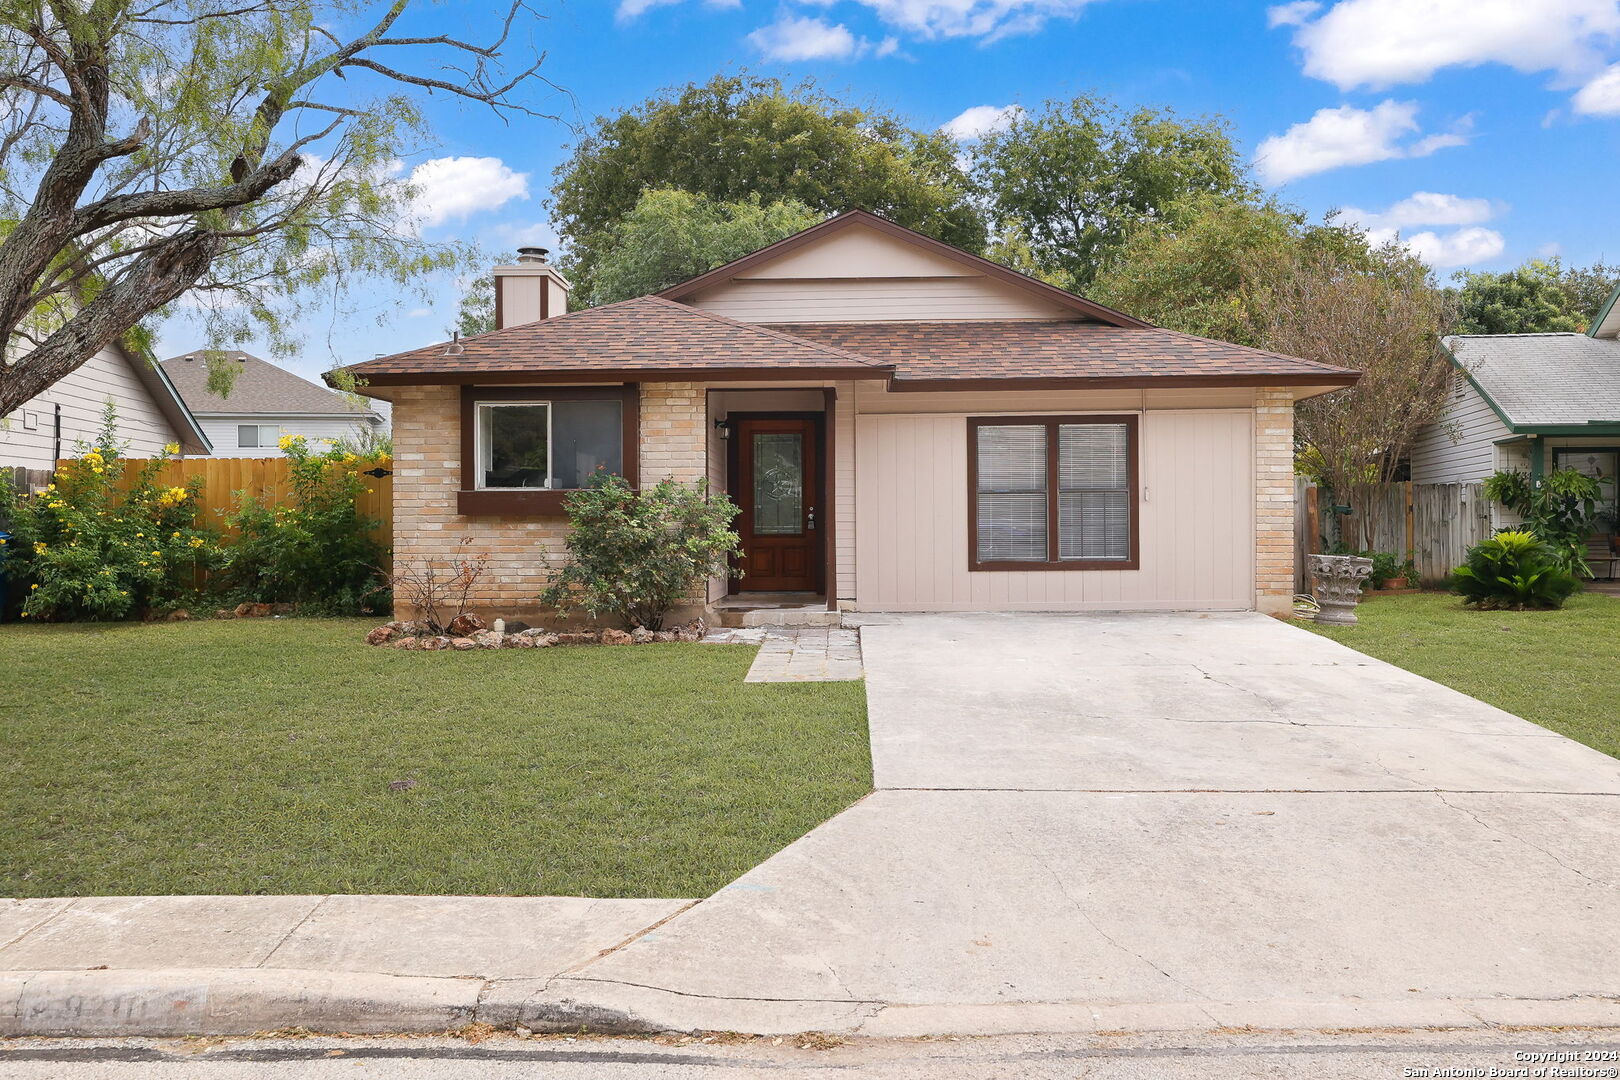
column 267, row 479
column 1435, row 524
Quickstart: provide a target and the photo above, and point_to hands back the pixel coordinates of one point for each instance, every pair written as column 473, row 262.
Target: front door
column 777, row 487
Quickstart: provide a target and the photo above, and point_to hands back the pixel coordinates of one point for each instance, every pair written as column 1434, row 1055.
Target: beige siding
column 1460, row 448
column 1197, row 525
column 83, row 394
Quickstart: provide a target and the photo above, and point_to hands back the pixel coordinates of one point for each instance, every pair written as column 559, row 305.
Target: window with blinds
column 1053, row 492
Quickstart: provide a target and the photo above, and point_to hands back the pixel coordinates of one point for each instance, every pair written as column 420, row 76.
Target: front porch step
column 785, row 617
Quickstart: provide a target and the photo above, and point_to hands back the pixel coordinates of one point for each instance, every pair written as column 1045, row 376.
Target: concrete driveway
column 1161, row 821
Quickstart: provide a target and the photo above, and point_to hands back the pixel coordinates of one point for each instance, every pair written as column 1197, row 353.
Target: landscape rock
column 489, row 639
column 381, row 635
column 462, row 644
column 438, row 642
column 518, row 641
column 516, row 626
column 665, row 636
column 692, row 631
column 406, row 643
column 530, row 632
column 583, row 637
column 253, row 611
column 224, row 613
column 180, row 615
column 616, row 637
column 641, row 635
column 465, row 625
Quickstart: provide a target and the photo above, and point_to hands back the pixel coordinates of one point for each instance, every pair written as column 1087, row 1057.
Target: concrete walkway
column 797, row 654
column 1082, row 824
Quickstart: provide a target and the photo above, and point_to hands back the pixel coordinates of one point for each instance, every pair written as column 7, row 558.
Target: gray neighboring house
column 266, row 403
column 1532, row 403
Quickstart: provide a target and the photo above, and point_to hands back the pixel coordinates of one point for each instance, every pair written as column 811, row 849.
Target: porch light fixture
column 723, row 426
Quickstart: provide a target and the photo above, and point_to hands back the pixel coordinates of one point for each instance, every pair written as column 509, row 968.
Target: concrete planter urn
column 1338, row 586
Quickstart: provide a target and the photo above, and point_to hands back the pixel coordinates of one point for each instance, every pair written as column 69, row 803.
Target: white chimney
column 529, row 290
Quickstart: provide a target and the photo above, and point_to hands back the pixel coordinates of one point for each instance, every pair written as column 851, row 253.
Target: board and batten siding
column 221, row 431
column 27, row 435
column 1461, row 447
column 1195, row 506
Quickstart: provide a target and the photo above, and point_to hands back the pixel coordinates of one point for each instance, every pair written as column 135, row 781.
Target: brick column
column 674, row 442
column 1273, row 500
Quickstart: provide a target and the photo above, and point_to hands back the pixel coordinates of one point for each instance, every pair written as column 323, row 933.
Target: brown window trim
column 547, row 502
column 1051, row 423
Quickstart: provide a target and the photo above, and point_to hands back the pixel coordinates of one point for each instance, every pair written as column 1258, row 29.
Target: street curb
column 246, row 1001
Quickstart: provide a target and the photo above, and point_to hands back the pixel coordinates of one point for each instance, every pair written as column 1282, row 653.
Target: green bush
column 636, row 555
column 1561, row 510
column 317, row 550
column 1387, row 567
column 1513, row 569
column 91, row 547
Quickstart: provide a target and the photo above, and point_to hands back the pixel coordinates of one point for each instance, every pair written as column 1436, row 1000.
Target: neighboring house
column 904, row 425
column 151, row 413
column 265, row 403
column 1532, row 403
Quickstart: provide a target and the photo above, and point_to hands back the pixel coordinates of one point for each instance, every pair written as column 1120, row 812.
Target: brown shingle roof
column 644, row 334
column 958, row 351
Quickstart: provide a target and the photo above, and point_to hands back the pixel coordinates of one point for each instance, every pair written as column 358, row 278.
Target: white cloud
column 1294, row 14
column 981, row 120
column 1601, row 96
column 1456, row 248
column 1334, row 138
column 794, row 37
column 990, row 20
column 456, row 187
column 634, row 9
column 1379, row 43
column 1425, row 208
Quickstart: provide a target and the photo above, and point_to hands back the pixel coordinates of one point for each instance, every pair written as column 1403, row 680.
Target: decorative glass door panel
column 777, row 486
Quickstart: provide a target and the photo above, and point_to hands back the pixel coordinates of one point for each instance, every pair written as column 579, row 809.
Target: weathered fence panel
column 267, row 479
column 1434, row 524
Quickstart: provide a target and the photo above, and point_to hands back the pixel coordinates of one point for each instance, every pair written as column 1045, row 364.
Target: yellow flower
column 196, row 541
column 39, row 549
column 140, row 536
column 141, row 563
column 2, row 541
column 33, row 586
column 171, row 448
column 174, row 536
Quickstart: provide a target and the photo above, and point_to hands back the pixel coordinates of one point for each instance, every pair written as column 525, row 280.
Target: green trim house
column 1531, row 402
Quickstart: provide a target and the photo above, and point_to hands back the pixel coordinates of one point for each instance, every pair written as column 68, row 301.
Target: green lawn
column 1560, row 669
column 256, row 757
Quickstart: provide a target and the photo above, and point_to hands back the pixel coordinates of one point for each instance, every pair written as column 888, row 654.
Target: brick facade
column 1273, row 501
column 521, row 550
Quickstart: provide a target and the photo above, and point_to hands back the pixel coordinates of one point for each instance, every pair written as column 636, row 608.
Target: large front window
column 553, row 444
column 1052, row 493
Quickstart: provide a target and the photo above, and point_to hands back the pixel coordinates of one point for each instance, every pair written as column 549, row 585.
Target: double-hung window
column 1052, row 493
column 257, row 436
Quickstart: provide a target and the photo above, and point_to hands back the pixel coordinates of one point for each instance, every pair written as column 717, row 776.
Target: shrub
column 1562, row 510
column 91, row 547
column 635, row 555
column 1513, row 569
column 1387, row 567
column 439, row 592
column 317, row 550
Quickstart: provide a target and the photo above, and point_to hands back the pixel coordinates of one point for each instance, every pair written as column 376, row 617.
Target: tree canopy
column 236, row 152
column 1537, row 297
column 1073, row 178
column 741, row 137
column 672, row 235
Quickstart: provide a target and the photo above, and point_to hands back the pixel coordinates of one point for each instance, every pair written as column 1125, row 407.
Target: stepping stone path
column 802, row 654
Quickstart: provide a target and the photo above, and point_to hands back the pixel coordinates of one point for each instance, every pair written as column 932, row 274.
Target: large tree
column 240, row 152
column 1540, row 296
column 741, row 137
column 671, row 235
column 1073, row 178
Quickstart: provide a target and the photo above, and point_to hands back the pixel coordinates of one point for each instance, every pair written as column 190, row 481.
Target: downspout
column 56, row 438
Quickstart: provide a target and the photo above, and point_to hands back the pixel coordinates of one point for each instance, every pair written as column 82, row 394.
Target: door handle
column 810, row 522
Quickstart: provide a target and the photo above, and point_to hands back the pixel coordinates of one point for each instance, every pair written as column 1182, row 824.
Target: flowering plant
column 317, row 549
column 101, row 544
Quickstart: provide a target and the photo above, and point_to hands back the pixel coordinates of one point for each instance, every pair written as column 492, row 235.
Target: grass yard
column 256, row 756
column 1560, row 669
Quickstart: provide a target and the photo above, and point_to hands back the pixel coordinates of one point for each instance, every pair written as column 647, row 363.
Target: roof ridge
column 761, row 328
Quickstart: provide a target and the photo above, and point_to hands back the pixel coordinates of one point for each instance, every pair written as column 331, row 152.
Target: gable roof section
column 166, row 396
column 1049, row 293
column 957, row 355
column 629, row 339
column 261, row 389
column 1606, row 324
column 1544, row 383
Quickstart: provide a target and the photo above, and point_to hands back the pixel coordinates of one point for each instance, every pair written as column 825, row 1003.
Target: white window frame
column 479, row 447
column 260, row 444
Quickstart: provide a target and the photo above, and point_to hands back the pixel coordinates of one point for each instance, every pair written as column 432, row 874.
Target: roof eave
column 188, row 432
column 1609, row 308
column 1331, row 380
column 555, row 376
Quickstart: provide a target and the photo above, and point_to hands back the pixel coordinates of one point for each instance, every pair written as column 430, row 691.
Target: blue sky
column 1486, row 131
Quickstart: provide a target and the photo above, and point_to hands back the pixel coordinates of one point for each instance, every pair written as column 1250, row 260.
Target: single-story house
column 151, row 413
column 265, row 403
column 904, row 425
column 1531, row 403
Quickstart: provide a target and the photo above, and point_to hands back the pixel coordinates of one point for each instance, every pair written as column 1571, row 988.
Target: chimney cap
column 533, row 254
